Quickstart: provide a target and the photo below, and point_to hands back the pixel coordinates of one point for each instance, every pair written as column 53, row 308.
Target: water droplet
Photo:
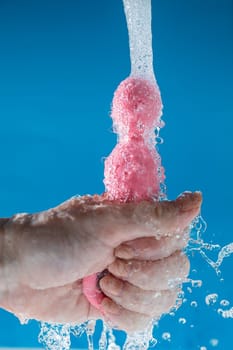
column 211, row 299
column 159, row 140
column 22, row 319
column 153, row 342
column 181, row 294
column 196, row 283
column 214, row 342
column 203, row 348
column 224, row 302
column 182, row 320
column 166, row 336
column 225, row 313
column 157, row 130
column 193, row 303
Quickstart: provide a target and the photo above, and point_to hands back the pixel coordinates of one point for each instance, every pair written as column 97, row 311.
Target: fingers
column 150, row 248
column 147, row 302
column 169, row 217
column 111, row 222
column 121, row 318
column 152, row 275
column 152, row 219
column 137, row 289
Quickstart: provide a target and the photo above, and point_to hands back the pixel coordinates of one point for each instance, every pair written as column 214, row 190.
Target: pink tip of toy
column 136, row 105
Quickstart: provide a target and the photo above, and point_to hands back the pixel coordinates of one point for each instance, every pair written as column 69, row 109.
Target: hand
column 46, row 255
column 144, row 281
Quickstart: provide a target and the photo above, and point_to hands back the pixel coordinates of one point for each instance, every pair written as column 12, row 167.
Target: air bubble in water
column 203, row 348
column 211, row 299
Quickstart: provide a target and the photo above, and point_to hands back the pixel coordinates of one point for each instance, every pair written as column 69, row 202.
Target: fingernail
column 124, row 252
column 189, row 200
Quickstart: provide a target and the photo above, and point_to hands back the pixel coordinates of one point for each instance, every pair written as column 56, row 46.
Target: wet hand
column 48, row 254
column 144, row 282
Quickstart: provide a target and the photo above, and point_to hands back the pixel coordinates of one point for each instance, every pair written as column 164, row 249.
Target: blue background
column 60, row 62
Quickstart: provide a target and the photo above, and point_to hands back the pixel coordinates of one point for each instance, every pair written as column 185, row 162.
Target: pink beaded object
column 133, row 170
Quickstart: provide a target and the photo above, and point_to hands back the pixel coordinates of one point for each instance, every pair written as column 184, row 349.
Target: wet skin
column 46, row 255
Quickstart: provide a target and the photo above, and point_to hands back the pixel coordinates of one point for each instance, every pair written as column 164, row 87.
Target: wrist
column 10, row 235
column 3, row 278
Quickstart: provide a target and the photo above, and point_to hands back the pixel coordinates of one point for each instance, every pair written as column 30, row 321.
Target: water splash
column 141, row 340
column 224, row 302
column 225, row 252
column 196, row 243
column 226, row 313
column 90, row 330
column 55, row 336
column 211, row 299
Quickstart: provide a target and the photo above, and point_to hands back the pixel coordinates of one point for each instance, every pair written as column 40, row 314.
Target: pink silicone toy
column 133, row 170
